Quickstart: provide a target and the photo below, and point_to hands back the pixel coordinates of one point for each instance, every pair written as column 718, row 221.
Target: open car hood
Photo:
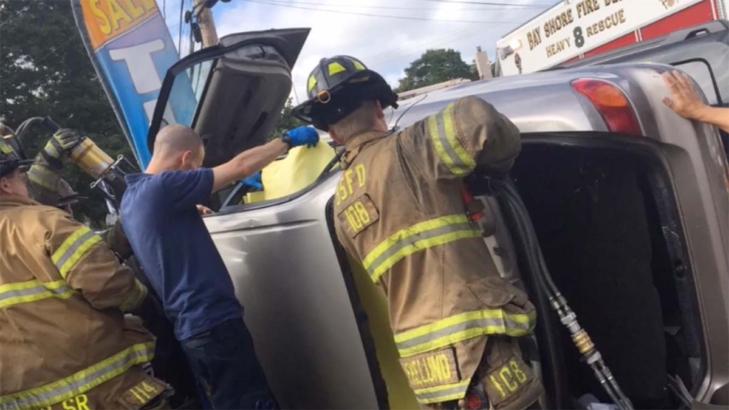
column 239, row 86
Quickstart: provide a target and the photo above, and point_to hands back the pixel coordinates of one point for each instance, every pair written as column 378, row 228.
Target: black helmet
column 9, row 159
column 338, row 86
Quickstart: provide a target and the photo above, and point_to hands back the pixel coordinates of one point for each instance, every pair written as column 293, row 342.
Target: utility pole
column 206, row 23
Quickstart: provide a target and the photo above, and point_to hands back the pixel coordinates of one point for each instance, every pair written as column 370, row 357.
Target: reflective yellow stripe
column 441, row 129
column 335, row 68
column 464, row 326
column 43, row 177
column 80, row 382
column 73, row 248
column 135, row 296
column 446, row 392
column 416, row 238
column 359, row 66
column 312, row 83
column 31, row 291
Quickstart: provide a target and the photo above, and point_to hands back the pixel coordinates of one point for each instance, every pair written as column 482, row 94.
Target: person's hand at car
column 253, row 181
column 204, row 210
column 685, row 101
column 255, row 159
column 301, row 136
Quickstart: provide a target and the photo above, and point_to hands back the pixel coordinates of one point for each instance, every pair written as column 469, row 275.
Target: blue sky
column 386, row 45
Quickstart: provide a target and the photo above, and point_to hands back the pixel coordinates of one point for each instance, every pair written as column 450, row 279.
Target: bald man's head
column 178, row 147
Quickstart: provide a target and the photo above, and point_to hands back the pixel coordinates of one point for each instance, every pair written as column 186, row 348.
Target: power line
column 490, row 3
column 348, row 6
column 267, row 2
column 16, row 15
column 403, row 53
column 380, row 55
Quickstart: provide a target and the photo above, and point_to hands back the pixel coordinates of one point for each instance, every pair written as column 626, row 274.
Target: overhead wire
column 273, row 3
column 346, row 6
column 491, row 3
column 16, row 15
column 403, row 53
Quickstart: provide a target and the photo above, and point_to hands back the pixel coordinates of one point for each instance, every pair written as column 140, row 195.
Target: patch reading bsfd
column 431, row 369
column 502, row 383
column 358, row 215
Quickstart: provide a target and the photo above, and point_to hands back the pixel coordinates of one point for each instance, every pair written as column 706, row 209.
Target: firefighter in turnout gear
column 65, row 341
column 398, row 210
column 46, row 186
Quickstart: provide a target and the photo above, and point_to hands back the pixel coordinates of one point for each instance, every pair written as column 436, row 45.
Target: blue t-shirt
column 175, row 249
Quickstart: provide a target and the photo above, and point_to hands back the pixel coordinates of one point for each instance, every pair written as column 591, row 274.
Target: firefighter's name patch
column 431, row 369
column 506, row 380
column 360, row 214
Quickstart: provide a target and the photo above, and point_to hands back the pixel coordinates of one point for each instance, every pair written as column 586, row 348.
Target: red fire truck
column 576, row 29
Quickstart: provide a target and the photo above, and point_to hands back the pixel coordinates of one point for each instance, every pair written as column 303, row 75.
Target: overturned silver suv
column 629, row 205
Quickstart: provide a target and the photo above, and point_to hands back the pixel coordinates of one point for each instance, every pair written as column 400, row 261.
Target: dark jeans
column 226, row 363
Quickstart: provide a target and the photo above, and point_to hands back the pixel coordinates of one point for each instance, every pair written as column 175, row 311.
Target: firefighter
column 398, row 210
column 46, row 186
column 65, row 342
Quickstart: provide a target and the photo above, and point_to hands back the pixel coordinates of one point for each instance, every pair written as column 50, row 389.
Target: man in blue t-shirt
column 159, row 213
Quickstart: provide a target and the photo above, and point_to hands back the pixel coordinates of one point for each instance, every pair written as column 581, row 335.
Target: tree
column 433, row 67
column 286, row 121
column 45, row 71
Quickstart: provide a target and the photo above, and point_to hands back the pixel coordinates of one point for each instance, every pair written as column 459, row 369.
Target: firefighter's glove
column 253, row 181
column 62, row 142
column 301, row 136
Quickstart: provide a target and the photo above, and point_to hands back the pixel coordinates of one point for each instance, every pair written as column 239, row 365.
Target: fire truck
column 577, row 29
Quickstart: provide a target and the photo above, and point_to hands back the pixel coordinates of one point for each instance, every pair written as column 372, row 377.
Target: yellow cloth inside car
column 297, row 171
column 399, row 394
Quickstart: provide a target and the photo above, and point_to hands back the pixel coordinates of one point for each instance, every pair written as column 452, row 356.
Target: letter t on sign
column 140, row 65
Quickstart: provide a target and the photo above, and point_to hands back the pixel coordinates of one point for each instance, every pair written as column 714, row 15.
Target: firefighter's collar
column 355, row 143
column 12, row 201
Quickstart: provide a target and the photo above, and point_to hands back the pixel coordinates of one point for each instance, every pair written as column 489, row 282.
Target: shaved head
column 178, row 147
column 176, row 138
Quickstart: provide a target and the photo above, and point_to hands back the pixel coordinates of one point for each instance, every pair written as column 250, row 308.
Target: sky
column 358, row 28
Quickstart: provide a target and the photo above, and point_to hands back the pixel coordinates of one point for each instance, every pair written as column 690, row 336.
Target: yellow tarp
column 400, row 396
column 297, row 171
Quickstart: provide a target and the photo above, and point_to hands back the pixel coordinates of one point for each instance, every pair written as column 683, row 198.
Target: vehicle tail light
column 611, row 103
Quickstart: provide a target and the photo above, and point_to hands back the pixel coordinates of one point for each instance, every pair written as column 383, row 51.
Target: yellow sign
column 106, row 19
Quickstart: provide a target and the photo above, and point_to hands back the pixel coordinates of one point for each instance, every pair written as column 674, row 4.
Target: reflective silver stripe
column 81, row 382
column 399, row 245
column 484, row 323
column 43, row 177
column 68, row 253
column 435, row 395
column 32, row 291
column 463, row 168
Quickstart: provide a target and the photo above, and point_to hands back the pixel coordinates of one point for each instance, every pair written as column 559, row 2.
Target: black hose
column 520, row 220
column 552, row 356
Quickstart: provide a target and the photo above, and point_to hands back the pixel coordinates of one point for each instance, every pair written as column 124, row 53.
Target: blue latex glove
column 302, row 136
column 253, row 181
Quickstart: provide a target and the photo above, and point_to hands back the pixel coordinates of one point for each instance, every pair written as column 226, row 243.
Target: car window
column 700, row 71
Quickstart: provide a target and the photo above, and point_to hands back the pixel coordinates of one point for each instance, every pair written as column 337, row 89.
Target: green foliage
column 285, row 122
column 433, row 67
column 45, row 71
